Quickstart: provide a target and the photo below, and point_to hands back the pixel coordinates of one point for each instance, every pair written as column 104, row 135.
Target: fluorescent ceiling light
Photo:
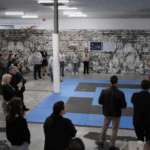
column 77, row 15
column 29, row 16
column 66, row 7
column 14, row 13
column 73, row 13
column 63, row 1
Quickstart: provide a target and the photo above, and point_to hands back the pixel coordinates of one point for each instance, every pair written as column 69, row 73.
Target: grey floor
column 36, row 91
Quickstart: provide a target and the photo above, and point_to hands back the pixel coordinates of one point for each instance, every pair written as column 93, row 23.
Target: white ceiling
column 93, row 8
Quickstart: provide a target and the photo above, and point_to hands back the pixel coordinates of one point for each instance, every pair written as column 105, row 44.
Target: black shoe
column 48, row 74
column 101, row 144
column 25, row 109
column 83, row 72
column 60, row 80
column 63, row 75
column 43, row 74
column 113, row 148
column 40, row 78
column 35, row 79
column 51, row 80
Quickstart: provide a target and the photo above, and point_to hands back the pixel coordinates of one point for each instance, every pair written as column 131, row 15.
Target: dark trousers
column 86, row 66
column 142, row 130
column 62, row 67
column 20, row 94
column 37, row 68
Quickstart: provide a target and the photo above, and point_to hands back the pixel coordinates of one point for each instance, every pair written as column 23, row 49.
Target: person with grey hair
column 37, row 60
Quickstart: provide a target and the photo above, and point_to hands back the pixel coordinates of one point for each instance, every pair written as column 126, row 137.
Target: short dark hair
column 147, row 145
column 114, row 79
column 13, row 60
column 16, row 55
column 15, row 64
column 10, row 51
column 76, row 144
column 4, row 50
column 145, row 85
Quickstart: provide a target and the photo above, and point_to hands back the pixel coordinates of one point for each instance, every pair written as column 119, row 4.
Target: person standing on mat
column 113, row 100
column 75, row 62
column 141, row 115
column 86, row 58
column 44, row 63
column 37, row 62
column 62, row 61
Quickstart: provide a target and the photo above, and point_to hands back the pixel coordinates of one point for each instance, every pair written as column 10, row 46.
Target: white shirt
column 61, row 56
column 50, row 61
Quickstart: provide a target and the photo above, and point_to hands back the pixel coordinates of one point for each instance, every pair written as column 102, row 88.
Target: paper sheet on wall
column 109, row 46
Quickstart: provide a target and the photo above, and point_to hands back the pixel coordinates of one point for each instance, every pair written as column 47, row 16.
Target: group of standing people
column 11, row 78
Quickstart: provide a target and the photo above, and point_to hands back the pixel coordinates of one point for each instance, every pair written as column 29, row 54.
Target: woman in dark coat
column 8, row 91
column 17, row 131
column 9, row 62
column 58, row 130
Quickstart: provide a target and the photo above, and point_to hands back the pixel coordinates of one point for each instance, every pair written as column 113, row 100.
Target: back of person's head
column 57, row 108
column 13, row 60
column 147, row 145
column 6, row 79
column 145, row 85
column 1, row 55
column 13, row 108
column 113, row 79
column 76, row 144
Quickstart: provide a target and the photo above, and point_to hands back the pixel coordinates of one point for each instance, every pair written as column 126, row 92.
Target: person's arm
column 26, row 131
column 32, row 60
column 2, row 66
column 132, row 98
column 83, row 57
column 101, row 98
column 123, row 102
column 71, row 128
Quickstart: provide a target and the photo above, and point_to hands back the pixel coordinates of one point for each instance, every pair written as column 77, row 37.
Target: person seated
column 17, row 131
column 76, row 144
column 141, row 114
column 147, row 145
column 58, row 130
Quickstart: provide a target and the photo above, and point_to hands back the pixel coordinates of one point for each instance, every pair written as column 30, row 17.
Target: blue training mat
column 68, row 86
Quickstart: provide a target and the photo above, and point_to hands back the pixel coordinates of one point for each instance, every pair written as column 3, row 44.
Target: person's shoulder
column 67, row 121
column 121, row 92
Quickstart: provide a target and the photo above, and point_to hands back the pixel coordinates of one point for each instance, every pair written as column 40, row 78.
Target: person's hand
column 61, row 58
column 26, row 78
column 6, row 62
column 33, row 64
column 52, row 68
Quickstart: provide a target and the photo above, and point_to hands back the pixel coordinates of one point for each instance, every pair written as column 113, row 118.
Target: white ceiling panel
column 93, row 8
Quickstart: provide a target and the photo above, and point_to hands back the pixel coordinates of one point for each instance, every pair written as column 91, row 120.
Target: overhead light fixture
column 14, row 13
column 73, row 13
column 66, row 7
column 83, row 15
column 63, row 1
column 29, row 16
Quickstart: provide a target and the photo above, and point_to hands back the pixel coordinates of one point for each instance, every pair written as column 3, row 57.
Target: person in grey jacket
column 75, row 62
column 37, row 62
column 2, row 71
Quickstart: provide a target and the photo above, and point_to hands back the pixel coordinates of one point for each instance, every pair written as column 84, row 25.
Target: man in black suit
column 19, row 78
column 141, row 115
column 113, row 100
column 2, row 71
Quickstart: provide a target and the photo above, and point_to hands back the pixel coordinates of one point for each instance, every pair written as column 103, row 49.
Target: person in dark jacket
column 3, row 68
column 113, row 100
column 19, row 78
column 8, row 90
column 141, row 114
column 9, row 62
column 58, row 130
column 17, row 131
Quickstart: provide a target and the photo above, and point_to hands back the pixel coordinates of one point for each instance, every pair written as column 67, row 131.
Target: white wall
column 80, row 23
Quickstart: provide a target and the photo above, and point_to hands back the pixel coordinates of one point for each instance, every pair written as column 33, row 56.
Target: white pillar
column 56, row 65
